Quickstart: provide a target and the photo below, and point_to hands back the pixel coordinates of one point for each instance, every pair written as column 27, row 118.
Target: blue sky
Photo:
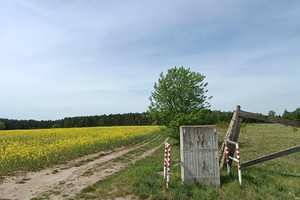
column 73, row 57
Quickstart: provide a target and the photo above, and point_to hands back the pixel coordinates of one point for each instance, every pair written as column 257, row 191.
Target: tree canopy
column 272, row 113
column 178, row 98
column 294, row 115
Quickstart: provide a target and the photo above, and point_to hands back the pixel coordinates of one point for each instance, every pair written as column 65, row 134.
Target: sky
column 91, row 57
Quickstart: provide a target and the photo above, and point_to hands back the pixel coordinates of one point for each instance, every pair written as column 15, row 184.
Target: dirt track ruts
column 68, row 180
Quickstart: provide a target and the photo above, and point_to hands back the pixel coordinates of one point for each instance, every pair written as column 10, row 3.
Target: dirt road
column 65, row 181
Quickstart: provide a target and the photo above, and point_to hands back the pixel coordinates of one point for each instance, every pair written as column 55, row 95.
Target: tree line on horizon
column 126, row 119
column 207, row 117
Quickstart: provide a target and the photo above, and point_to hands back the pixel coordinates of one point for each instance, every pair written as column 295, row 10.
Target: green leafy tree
column 294, row 115
column 272, row 113
column 2, row 125
column 55, row 126
column 179, row 98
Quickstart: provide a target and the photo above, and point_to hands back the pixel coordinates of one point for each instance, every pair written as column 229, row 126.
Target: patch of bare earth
column 65, row 181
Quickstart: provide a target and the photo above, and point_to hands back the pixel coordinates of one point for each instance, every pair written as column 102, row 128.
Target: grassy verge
column 117, row 189
column 276, row 179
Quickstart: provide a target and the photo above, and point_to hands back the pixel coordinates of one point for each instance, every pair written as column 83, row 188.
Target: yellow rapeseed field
column 33, row 149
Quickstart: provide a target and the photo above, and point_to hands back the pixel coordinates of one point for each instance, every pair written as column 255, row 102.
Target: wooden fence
column 234, row 130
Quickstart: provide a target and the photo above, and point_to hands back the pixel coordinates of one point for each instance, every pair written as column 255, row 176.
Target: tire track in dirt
column 102, row 172
column 69, row 181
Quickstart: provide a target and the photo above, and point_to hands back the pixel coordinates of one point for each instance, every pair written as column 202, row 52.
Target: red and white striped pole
column 238, row 162
column 226, row 156
column 237, row 159
column 168, row 166
column 167, row 160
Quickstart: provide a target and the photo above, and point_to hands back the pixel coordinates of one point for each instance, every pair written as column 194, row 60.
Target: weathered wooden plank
column 271, row 156
column 235, row 136
column 270, row 119
column 232, row 134
column 199, row 155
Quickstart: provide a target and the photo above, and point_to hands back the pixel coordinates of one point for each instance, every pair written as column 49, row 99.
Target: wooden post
column 232, row 134
column 235, row 133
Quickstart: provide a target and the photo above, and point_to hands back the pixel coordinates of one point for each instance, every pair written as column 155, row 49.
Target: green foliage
column 272, row 113
column 2, row 125
column 179, row 97
column 55, row 126
column 295, row 115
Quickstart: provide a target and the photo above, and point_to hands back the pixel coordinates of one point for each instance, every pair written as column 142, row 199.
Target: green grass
column 55, row 171
column 275, row 179
column 47, row 195
column 82, row 162
column 88, row 173
column 23, row 180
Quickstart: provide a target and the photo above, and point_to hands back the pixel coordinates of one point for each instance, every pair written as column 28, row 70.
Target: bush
column 2, row 126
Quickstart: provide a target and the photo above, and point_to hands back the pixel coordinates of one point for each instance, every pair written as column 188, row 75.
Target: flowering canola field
column 33, row 149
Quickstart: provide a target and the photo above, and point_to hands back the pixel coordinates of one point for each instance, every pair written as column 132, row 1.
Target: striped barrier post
column 238, row 162
column 167, row 161
column 237, row 159
column 226, row 156
column 168, row 166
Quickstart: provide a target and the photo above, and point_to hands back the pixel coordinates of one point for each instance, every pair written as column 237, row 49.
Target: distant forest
column 127, row 119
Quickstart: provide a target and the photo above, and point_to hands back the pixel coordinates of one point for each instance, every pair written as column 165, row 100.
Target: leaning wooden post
column 235, row 132
column 234, row 123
